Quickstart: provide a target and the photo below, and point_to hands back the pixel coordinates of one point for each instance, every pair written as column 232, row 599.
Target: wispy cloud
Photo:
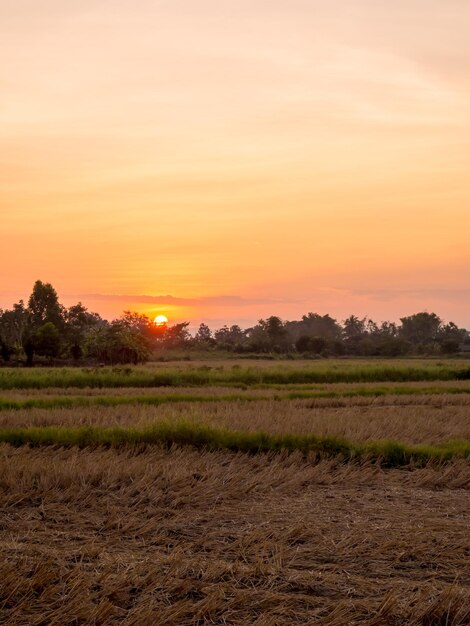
column 444, row 293
column 176, row 301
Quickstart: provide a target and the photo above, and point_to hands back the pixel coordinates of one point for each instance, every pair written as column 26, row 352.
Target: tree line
column 45, row 330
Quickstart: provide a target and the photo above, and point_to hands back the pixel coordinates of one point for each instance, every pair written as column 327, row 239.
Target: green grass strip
column 69, row 402
column 41, row 378
column 389, row 453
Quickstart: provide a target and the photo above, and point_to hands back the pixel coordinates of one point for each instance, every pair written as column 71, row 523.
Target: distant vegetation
column 46, row 331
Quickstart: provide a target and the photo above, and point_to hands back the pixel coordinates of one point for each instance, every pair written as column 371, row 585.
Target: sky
column 226, row 160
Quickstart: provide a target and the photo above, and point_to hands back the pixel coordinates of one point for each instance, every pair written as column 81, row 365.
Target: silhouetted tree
column 5, row 351
column 303, row 343
column 314, row 345
column 269, row 335
column 119, row 343
column 78, row 323
column 46, row 340
column 204, row 336
column 44, row 306
column 355, row 334
column 314, row 325
column 450, row 338
column 15, row 328
column 176, row 336
column 421, row 330
column 46, row 328
column 232, row 338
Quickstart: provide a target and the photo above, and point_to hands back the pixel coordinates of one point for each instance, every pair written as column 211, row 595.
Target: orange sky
column 246, row 157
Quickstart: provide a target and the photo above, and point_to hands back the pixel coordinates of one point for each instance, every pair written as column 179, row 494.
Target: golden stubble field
column 414, row 419
column 155, row 534
column 187, row 537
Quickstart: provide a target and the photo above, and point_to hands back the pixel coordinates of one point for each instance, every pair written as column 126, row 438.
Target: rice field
column 238, row 373
column 264, row 493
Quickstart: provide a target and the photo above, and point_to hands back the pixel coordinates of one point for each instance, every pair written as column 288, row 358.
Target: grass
column 40, row 378
column 412, row 419
column 51, row 402
column 389, row 453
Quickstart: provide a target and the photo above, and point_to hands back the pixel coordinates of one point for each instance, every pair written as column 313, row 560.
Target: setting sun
column 161, row 320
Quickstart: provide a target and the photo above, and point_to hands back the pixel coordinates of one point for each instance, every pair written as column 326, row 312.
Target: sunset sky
column 225, row 160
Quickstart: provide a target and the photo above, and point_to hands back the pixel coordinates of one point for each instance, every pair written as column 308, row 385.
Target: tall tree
column 14, row 327
column 79, row 322
column 204, row 336
column 44, row 306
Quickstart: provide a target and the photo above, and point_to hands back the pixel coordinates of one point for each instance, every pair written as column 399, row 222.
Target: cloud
column 444, row 293
column 175, row 301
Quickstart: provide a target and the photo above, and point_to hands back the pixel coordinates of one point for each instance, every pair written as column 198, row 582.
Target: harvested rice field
column 226, row 502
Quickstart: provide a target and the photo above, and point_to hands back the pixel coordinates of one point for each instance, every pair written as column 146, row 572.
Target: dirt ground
column 180, row 537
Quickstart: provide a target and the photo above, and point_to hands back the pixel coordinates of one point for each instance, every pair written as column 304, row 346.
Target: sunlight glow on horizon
column 301, row 156
column 160, row 320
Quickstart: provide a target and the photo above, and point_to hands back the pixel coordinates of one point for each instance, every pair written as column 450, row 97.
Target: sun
column 160, row 320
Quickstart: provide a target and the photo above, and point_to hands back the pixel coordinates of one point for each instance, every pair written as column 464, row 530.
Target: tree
column 78, row 323
column 316, row 345
column 232, row 338
column 44, row 306
column 382, row 340
column 137, row 321
column 258, row 340
column 275, row 330
column 451, row 332
column 46, row 340
column 303, row 344
column 176, row 336
column 314, row 325
column 29, row 351
column 355, row 334
column 204, row 336
column 270, row 335
column 421, row 329
column 451, row 337
column 354, row 328
column 14, row 328
column 118, row 343
column 388, row 330
column 5, row 351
